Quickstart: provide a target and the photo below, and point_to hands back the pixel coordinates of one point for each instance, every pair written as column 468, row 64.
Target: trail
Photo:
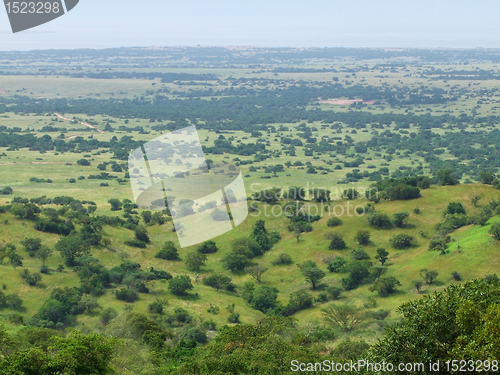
column 3, row 92
column 80, row 122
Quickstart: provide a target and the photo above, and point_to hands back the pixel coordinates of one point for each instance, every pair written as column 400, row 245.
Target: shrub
column 428, row 275
column 362, row 237
column 283, row 258
column 299, row 300
column 83, row 162
column 6, row 191
column 264, row 298
column 168, row 252
column 454, row 208
column 155, row 307
column 456, row 276
column 207, row 247
column 334, row 291
column 416, row 211
column 380, row 220
column 360, row 254
column 385, row 286
column 495, row 230
column 179, row 285
column 234, row 318
column 72, row 180
column 218, row 281
column 336, row 243
column 399, row 218
column 402, row 241
column 141, row 234
column 136, row 243
column 127, row 295
column 107, row 315
column 336, row 264
column 333, row 222
column 350, row 194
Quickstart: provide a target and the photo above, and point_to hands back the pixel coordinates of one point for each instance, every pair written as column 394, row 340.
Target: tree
column 362, row 237
column 261, row 236
column 219, row 281
column 236, row 261
column 195, row 260
column 32, row 278
column 207, row 247
column 179, row 285
column 454, row 208
column 15, row 259
column 75, row 354
column 495, row 230
column 457, row 322
column 336, row 243
column 428, row 275
column 346, row 317
column 256, row 272
column 320, row 194
column 43, row 253
column 26, row 211
column 358, row 271
column 168, row 252
column 350, row 350
column 72, row 247
column 417, row 284
column 264, row 298
column 312, row 273
column 116, row 204
column 385, row 286
column 146, row 216
column 350, row 194
column 31, row 245
column 141, row 234
column 446, row 177
column 474, row 199
column 382, row 255
column 399, row 218
column 487, row 177
column 268, row 343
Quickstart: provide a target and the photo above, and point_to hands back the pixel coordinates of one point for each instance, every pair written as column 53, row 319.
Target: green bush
column 380, row 220
column 336, row 243
column 402, row 241
column 127, row 295
column 234, row 318
column 283, row 258
column 333, row 222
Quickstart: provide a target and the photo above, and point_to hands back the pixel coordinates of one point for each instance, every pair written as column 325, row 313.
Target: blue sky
column 269, row 23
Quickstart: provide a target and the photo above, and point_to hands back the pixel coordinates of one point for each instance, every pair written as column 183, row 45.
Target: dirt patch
column 345, row 101
column 80, row 122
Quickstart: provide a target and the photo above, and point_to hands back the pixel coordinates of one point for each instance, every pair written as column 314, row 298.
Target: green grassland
column 477, row 256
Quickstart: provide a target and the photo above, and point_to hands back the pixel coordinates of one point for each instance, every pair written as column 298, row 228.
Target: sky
column 265, row 23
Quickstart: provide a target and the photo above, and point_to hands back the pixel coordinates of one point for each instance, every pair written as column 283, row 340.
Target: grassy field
column 477, row 256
